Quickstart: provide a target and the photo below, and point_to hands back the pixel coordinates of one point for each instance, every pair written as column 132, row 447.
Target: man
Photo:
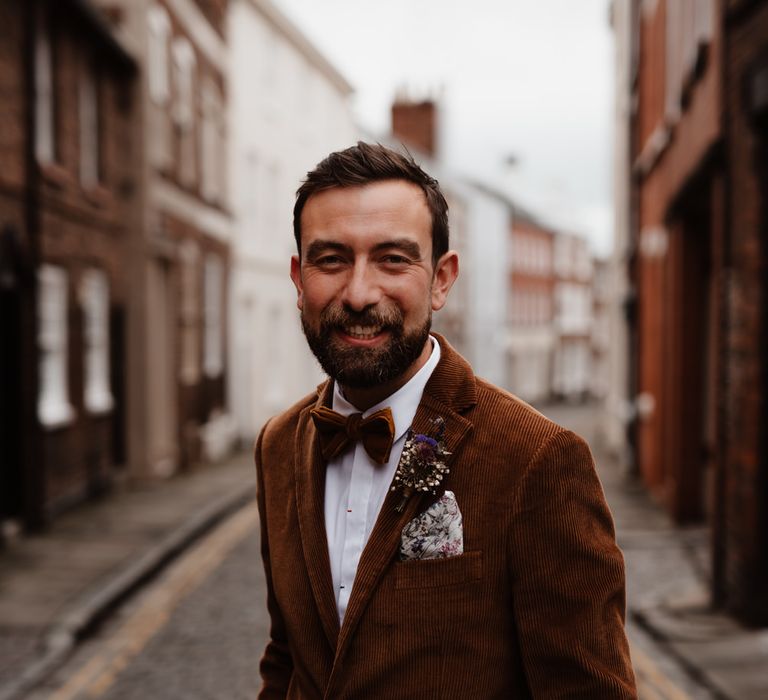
column 471, row 558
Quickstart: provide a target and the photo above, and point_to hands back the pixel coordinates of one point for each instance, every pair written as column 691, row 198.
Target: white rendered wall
column 618, row 402
column 286, row 114
column 485, row 267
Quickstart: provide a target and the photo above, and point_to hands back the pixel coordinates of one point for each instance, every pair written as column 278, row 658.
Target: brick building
column 181, row 261
column 67, row 177
column 531, row 310
column 571, row 371
column 698, row 266
column 741, row 515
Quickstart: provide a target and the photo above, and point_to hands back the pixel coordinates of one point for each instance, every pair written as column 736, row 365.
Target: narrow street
column 197, row 631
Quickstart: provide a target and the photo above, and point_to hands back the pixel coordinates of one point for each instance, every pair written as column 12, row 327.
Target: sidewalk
column 55, row 586
column 668, row 571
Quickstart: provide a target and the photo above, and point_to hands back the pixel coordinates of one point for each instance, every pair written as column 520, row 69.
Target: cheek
column 317, row 294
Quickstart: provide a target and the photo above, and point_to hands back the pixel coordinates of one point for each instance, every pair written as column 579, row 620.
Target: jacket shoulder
column 504, row 417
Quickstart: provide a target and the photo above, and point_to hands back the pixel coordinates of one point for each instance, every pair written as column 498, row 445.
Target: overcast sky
column 529, row 78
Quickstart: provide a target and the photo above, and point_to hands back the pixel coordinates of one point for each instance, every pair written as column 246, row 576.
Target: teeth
column 364, row 332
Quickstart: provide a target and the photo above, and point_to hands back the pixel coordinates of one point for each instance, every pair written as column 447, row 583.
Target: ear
column 296, row 278
column 445, row 274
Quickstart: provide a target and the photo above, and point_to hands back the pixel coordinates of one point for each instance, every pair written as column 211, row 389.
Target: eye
column 329, row 261
column 395, row 260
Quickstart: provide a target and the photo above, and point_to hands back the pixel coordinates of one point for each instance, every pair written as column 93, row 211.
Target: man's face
column 366, row 284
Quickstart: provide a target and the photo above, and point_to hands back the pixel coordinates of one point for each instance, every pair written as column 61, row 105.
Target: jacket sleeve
column 276, row 666
column 568, row 579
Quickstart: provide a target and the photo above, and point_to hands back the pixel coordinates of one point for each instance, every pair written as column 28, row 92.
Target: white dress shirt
column 355, row 486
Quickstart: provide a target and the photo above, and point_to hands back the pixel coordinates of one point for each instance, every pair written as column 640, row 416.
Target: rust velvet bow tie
column 336, row 432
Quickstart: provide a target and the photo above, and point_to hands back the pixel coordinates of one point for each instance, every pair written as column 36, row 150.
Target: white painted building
column 289, row 108
column 618, row 405
column 485, row 267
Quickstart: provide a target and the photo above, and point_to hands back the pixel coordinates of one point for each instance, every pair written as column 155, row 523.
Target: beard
column 364, row 368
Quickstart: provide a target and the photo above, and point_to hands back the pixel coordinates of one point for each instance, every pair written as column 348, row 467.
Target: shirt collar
column 403, row 403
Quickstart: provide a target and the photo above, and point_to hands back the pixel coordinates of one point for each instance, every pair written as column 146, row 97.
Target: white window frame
column 53, row 406
column 184, row 64
column 157, row 54
column 183, row 72
column 189, row 367
column 209, row 142
column 94, row 300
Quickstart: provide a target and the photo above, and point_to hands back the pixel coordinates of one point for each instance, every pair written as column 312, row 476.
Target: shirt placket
column 356, row 523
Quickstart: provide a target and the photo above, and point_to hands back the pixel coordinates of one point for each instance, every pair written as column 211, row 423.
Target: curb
column 96, row 602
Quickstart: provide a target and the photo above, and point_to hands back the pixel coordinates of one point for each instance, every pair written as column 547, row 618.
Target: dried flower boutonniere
column 422, row 465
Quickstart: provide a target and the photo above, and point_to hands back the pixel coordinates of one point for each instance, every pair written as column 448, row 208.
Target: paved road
column 197, row 631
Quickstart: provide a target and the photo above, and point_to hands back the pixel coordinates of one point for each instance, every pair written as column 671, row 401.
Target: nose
column 361, row 289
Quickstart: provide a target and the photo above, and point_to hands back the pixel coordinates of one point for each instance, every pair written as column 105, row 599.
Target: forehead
column 378, row 208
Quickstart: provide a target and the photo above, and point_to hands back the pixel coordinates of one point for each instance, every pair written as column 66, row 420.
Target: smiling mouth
column 363, row 332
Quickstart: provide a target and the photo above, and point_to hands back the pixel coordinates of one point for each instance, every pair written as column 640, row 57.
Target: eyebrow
column 407, row 246
column 320, row 246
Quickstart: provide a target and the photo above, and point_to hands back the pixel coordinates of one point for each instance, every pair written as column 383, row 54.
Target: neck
column 363, row 398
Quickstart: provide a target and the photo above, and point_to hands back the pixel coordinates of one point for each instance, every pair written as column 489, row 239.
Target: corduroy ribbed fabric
column 534, row 608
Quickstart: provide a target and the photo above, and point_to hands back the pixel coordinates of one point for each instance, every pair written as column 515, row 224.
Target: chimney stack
column 415, row 124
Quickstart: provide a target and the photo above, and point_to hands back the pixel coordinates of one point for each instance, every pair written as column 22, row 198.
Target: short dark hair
column 366, row 163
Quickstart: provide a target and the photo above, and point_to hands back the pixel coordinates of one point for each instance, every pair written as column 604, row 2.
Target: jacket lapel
column 451, row 386
column 310, row 498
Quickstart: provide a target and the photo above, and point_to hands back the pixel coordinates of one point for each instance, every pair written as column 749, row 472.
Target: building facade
column 67, row 179
column 571, row 370
column 289, row 108
column 475, row 315
column 180, row 264
column 531, row 311
column 697, row 209
column 741, row 511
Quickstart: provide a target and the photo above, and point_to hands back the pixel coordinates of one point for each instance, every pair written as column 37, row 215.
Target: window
column 184, row 107
column 213, row 348
column 94, row 298
column 689, row 26
column 53, row 406
column 213, row 147
column 159, row 32
column 190, row 326
column 89, row 127
column 45, row 125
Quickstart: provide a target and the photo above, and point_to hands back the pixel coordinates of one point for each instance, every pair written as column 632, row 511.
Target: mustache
column 341, row 317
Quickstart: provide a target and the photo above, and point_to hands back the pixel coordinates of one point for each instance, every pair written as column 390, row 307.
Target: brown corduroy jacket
column 534, row 607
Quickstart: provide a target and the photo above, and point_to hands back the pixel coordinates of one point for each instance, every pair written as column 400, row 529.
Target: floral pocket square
column 435, row 534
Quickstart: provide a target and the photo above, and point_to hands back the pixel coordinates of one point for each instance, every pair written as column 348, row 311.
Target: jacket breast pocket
column 433, row 573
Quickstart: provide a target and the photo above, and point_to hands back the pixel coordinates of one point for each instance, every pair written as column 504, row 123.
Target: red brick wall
column 415, row 124
column 743, row 571
column 82, row 228
column 11, row 99
column 686, row 157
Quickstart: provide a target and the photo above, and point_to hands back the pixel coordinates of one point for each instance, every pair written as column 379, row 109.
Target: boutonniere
column 422, row 465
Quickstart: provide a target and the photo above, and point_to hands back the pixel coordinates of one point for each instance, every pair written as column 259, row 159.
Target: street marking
column 154, row 611
column 654, row 683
